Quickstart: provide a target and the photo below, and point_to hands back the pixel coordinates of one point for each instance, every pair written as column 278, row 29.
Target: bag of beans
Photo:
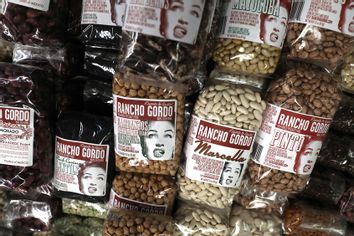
column 5, row 232
column 343, row 120
column 30, row 22
column 148, row 124
column 69, row 225
column 321, row 32
column 3, row 201
column 97, row 97
column 244, row 222
column 263, row 201
column 101, row 22
column 194, row 219
column 165, row 39
column 338, row 153
column 82, row 208
column 6, row 48
column 325, row 185
column 226, row 117
column 301, row 105
column 346, row 205
column 307, row 219
column 252, row 36
column 123, row 222
column 143, row 193
column 84, row 162
column 348, row 74
column 26, row 112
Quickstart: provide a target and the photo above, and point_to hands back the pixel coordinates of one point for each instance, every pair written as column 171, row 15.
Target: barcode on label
column 297, row 7
column 257, row 152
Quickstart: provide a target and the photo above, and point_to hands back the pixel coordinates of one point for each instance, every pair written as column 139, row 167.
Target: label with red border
column 80, row 167
column 145, row 128
column 336, row 15
column 262, row 22
column 42, row 5
column 16, row 136
column 117, row 201
column 174, row 20
column 102, row 12
column 289, row 141
column 217, row 154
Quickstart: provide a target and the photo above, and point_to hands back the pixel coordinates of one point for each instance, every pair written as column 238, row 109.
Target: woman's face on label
column 160, row 140
column 182, row 17
column 348, row 26
column 275, row 27
column 231, row 174
column 93, row 181
column 308, row 157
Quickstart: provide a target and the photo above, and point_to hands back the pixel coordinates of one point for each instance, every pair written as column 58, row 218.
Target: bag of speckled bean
column 308, row 219
column 226, row 117
column 245, row 222
column 148, row 124
column 252, row 36
column 193, row 219
column 301, row 105
column 321, row 32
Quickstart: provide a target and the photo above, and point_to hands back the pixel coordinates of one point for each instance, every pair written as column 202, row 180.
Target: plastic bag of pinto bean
column 26, row 112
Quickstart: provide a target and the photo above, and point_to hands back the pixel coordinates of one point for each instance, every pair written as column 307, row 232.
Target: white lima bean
column 245, row 222
column 244, row 108
column 196, row 221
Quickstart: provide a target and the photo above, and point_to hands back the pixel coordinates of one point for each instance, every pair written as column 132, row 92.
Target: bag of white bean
column 225, row 120
column 148, row 124
column 244, row 222
column 198, row 220
column 165, row 39
column 300, row 108
column 321, row 32
column 252, row 36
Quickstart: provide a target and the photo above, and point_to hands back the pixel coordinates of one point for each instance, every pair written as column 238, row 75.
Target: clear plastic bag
column 97, row 97
column 23, row 24
column 87, row 209
column 300, row 108
column 193, row 219
column 338, row 153
column 325, row 185
column 263, row 201
column 251, row 41
column 343, row 120
column 346, row 205
column 27, row 108
column 176, row 50
column 348, row 74
column 303, row 219
column 84, row 162
column 122, row 222
column 70, row 225
column 244, row 222
column 144, row 193
column 3, row 202
column 158, row 107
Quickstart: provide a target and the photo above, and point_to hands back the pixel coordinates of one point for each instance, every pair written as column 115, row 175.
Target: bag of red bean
column 26, row 111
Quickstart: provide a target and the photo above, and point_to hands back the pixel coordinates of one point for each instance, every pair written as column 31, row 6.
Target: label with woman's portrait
column 336, row 15
column 80, row 167
column 259, row 21
column 217, row 154
column 145, row 128
column 42, row 5
column 289, row 141
column 177, row 20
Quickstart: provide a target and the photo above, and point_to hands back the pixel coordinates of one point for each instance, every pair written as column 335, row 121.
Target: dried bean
column 81, row 208
column 348, row 74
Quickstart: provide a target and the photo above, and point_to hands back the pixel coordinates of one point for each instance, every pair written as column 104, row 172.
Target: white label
column 42, row 5
column 336, row 15
column 16, row 136
column 80, row 167
column 144, row 128
column 289, row 141
column 174, row 20
column 102, row 12
column 262, row 22
column 117, row 201
column 217, row 154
